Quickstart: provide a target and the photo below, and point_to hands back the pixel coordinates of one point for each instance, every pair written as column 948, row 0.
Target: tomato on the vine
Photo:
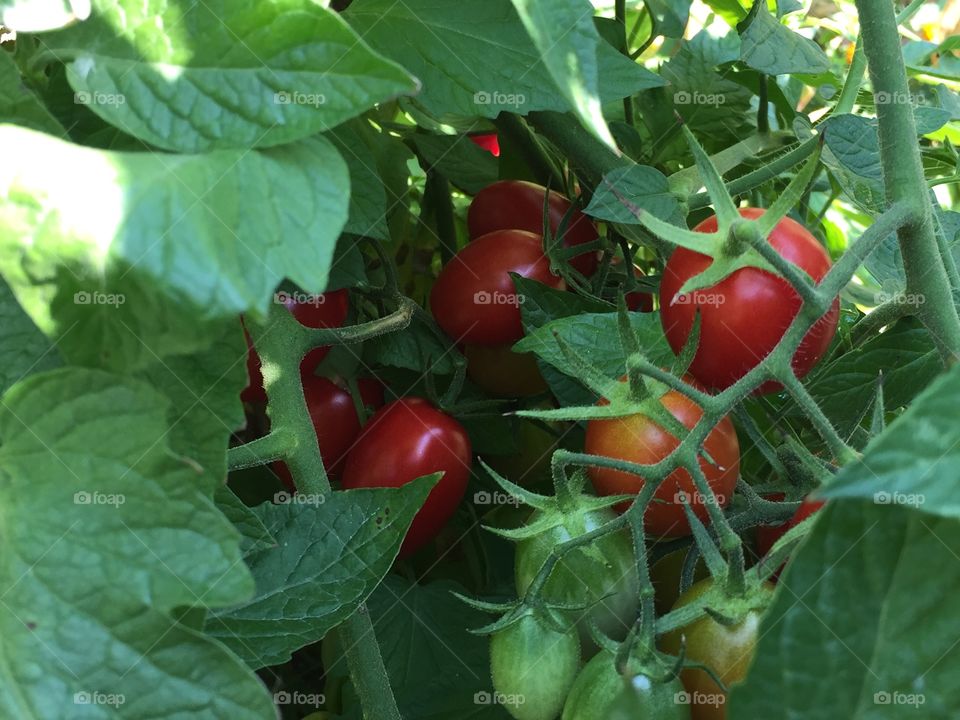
column 602, row 693
column 502, row 372
column 405, row 440
column 639, row 439
column 474, row 300
column 518, row 205
column 532, row 665
column 744, row 316
column 726, row 649
column 602, row 576
column 335, row 419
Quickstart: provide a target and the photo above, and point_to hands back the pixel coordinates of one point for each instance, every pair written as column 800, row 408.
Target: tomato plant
column 474, row 300
column 743, row 317
column 519, row 205
column 639, row 439
column 613, row 260
column 407, row 439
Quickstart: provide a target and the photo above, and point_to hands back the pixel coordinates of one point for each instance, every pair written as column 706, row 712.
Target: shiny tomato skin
column 488, row 141
column 407, row 439
column 727, row 650
column 745, row 315
column 502, row 372
column 330, row 312
column 334, row 420
column 474, row 300
column 636, row 438
column 518, row 204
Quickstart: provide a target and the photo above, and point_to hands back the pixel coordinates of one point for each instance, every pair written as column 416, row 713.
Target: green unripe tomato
column 533, row 666
column 601, row 693
column 602, row 574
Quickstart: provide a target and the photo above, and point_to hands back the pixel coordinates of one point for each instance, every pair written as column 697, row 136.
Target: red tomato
column 516, row 204
column 407, row 439
column 744, row 316
column 334, row 419
column 502, row 372
column 474, row 300
column 488, row 141
column 638, row 439
column 328, row 310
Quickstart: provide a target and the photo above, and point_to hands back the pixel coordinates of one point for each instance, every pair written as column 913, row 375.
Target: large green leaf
column 19, row 105
column 476, row 59
column 368, row 198
column 564, row 33
column 222, row 74
column 117, row 247
column 331, row 552
column 461, row 161
column 916, row 461
column 108, row 533
column 773, row 48
column 863, row 624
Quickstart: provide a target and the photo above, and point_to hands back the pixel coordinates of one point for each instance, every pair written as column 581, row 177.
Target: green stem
column 762, row 175
column 261, row 451
column 763, row 110
column 883, row 315
column 436, row 194
column 620, row 13
column 397, row 320
column 589, row 155
column 687, row 180
column 365, row 662
column 841, row 451
column 903, row 175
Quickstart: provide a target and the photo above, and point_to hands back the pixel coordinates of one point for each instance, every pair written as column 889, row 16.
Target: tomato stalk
column 904, row 179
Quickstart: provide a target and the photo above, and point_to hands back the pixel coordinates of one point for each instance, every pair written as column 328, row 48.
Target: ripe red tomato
column 474, row 300
column 517, row 204
column 502, row 372
column 727, row 650
column 744, row 316
column 488, row 141
column 636, row 438
column 407, row 439
column 328, row 310
column 334, row 419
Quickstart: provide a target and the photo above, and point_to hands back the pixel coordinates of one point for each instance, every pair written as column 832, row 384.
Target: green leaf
column 916, row 461
column 775, row 49
column 219, row 75
column 671, row 15
column 332, row 551
column 368, row 198
column 564, row 33
column 906, row 357
column 641, row 186
column 541, row 303
column 436, row 667
column 254, row 534
column 108, row 534
column 175, row 243
column 417, row 348
column 852, row 153
column 23, row 348
column 827, row 652
column 28, row 16
column 476, row 59
column 596, row 337
column 462, row 162
column 886, row 262
column 19, row 105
